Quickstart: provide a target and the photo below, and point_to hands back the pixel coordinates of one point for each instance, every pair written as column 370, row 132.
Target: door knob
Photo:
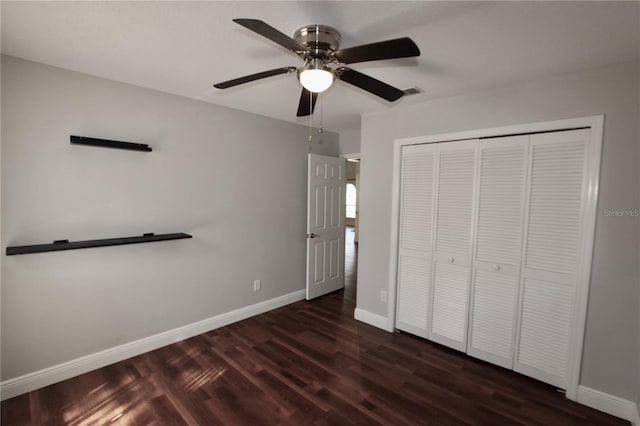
column 312, row 235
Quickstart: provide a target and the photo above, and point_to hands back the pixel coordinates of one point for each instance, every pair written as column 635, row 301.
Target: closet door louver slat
column 414, row 274
column 416, row 241
column 417, row 200
column 502, row 172
column 556, row 188
column 455, row 200
column 553, row 226
column 450, row 304
column 452, row 254
column 544, row 329
column 492, row 327
column 498, row 249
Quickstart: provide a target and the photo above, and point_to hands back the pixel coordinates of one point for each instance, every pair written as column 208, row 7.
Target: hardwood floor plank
column 17, row 413
column 292, row 400
column 165, row 411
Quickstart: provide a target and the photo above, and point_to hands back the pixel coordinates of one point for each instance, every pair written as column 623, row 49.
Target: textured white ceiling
column 185, row 47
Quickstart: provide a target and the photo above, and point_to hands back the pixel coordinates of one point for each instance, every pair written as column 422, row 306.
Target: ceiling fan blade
column 369, row 84
column 389, row 49
column 266, row 30
column 304, row 108
column 253, row 77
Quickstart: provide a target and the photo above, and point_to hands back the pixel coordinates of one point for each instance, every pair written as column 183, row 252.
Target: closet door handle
column 451, row 260
column 497, row 267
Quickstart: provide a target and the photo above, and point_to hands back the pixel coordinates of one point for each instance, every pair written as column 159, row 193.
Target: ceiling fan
column 318, row 46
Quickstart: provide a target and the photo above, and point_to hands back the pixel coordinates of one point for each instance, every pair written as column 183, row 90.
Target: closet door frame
column 590, row 189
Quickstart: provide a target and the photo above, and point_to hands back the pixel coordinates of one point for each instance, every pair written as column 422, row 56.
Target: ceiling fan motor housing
column 321, row 40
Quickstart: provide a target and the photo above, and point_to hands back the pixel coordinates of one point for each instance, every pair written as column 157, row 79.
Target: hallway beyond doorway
column 350, row 265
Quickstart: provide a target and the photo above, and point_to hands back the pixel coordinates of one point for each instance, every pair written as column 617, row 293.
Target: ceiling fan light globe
column 316, row 76
column 316, row 81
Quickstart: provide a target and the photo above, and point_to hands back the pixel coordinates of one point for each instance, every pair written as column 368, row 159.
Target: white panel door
column 455, row 195
column 325, row 225
column 497, row 253
column 415, row 247
column 553, row 230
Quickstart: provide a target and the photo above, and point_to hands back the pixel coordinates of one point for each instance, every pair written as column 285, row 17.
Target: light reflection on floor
column 106, row 405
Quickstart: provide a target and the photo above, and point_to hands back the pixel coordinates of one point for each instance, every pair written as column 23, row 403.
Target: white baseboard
column 609, row 404
column 48, row 376
column 373, row 319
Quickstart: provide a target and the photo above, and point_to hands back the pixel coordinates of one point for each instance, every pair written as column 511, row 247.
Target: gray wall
column 611, row 347
column 235, row 181
column 350, row 141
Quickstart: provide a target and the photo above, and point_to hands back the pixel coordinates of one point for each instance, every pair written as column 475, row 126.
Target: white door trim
column 596, row 123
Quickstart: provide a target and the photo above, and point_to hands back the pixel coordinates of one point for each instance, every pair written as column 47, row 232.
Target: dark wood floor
column 306, row 363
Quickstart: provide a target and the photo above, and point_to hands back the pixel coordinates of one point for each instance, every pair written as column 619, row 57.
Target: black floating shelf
column 106, row 143
column 66, row 245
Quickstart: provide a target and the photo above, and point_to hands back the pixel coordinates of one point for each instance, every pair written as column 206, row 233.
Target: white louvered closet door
column 455, row 194
column 553, row 229
column 416, row 238
column 498, row 242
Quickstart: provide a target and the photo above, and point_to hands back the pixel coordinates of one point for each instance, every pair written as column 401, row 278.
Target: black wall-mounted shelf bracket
column 66, row 245
column 106, row 143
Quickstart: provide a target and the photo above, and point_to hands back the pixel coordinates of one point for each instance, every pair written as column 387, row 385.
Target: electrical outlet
column 383, row 295
column 256, row 285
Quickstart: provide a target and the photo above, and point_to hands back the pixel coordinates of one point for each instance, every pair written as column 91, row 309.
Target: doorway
column 351, row 222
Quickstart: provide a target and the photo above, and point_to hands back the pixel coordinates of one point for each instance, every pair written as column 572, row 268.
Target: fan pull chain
column 321, row 113
column 310, row 118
